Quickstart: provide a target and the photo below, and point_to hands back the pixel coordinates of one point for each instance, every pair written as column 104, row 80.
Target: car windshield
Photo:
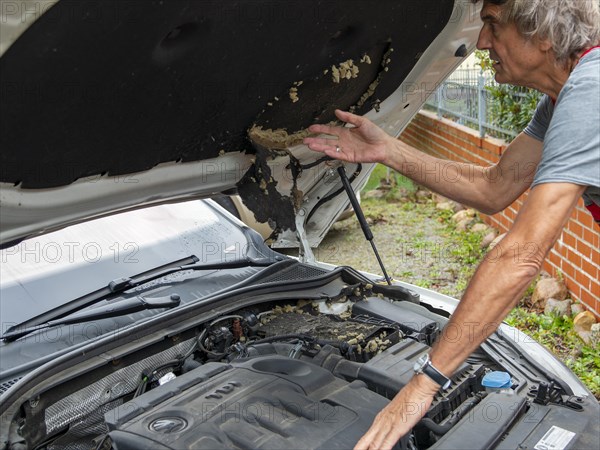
column 41, row 273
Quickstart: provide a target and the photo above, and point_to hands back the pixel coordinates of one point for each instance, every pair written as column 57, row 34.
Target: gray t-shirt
column 570, row 131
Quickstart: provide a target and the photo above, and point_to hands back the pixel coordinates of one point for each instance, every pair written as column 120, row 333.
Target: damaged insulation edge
column 270, row 144
column 260, row 192
column 385, row 61
column 276, row 140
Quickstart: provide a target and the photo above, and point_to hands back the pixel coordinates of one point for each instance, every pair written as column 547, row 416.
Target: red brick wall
column 576, row 255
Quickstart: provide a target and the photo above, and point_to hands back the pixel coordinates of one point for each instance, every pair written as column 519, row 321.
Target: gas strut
column 361, row 219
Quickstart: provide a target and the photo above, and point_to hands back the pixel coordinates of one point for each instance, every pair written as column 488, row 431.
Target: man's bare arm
column 506, row 272
column 488, row 189
column 499, row 282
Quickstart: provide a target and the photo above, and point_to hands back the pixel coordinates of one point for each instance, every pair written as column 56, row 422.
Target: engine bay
column 294, row 377
column 287, row 372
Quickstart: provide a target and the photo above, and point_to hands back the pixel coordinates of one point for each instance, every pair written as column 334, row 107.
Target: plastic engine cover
column 267, row 402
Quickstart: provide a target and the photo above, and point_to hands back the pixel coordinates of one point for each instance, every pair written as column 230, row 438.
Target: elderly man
column 548, row 45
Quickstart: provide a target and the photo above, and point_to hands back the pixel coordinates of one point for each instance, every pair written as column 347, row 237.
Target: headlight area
column 295, row 373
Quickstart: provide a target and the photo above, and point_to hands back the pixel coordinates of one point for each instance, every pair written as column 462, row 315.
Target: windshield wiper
column 115, row 309
column 118, row 286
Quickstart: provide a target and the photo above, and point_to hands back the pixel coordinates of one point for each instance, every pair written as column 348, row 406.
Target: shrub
column 510, row 107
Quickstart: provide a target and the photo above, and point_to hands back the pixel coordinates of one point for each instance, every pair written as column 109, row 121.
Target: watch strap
column 436, row 375
column 424, row 366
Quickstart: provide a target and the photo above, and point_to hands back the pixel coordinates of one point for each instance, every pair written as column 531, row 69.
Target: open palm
column 364, row 142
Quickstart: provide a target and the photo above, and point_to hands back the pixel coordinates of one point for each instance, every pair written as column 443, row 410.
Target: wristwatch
column 423, row 365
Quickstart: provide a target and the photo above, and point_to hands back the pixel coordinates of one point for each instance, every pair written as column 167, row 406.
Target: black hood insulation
column 117, row 87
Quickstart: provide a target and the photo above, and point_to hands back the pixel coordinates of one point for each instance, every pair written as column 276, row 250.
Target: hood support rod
column 361, row 219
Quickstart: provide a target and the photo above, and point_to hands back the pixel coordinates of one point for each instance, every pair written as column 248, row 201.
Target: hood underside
column 133, row 97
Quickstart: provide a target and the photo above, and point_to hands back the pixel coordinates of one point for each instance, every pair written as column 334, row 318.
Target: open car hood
column 109, row 106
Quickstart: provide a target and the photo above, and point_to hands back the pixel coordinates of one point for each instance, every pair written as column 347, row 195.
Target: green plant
column 531, row 288
column 557, row 334
column 424, row 283
column 396, row 180
column 510, row 107
column 378, row 173
column 466, row 245
column 587, row 367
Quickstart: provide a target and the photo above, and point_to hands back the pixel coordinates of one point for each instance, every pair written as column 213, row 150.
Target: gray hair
column 569, row 25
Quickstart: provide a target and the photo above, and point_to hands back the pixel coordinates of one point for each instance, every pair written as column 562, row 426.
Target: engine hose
column 440, row 430
column 315, row 163
column 334, row 194
column 283, row 337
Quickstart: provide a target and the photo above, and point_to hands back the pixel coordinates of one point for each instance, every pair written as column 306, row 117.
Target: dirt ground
column 413, row 243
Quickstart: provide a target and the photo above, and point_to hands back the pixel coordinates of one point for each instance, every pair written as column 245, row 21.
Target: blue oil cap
column 496, row 380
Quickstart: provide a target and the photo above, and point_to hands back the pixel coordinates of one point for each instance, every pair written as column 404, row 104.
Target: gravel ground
column 413, row 243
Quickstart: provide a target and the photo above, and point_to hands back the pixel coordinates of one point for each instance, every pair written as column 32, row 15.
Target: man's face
column 515, row 57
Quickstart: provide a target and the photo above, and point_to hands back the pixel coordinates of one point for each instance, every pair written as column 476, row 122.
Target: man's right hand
column 364, row 142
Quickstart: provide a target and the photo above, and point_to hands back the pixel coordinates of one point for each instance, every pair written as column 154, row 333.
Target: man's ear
column 544, row 45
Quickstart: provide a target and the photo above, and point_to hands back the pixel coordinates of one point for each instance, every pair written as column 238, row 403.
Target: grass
column 378, row 173
column 466, row 249
column 397, row 181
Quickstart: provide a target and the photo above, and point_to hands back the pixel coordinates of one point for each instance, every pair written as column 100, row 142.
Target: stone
column 582, row 324
column 480, row 228
column 584, row 321
column 585, row 336
column 557, row 307
column 463, row 225
column 445, row 206
column 577, row 308
column 547, row 288
column 595, row 334
column 376, row 219
column 402, row 195
column 464, row 214
column 437, row 198
column 577, row 351
column 375, row 193
column 386, row 184
column 422, row 195
column 496, row 241
column 488, row 238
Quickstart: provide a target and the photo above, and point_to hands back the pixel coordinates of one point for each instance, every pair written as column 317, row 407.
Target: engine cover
column 267, row 402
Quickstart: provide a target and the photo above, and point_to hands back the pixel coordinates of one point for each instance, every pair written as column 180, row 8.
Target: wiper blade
column 119, row 285
column 111, row 289
column 115, row 309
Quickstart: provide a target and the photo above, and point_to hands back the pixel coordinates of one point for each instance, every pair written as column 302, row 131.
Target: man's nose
column 483, row 41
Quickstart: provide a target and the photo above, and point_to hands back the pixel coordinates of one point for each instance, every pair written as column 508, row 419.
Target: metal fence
column 464, row 97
